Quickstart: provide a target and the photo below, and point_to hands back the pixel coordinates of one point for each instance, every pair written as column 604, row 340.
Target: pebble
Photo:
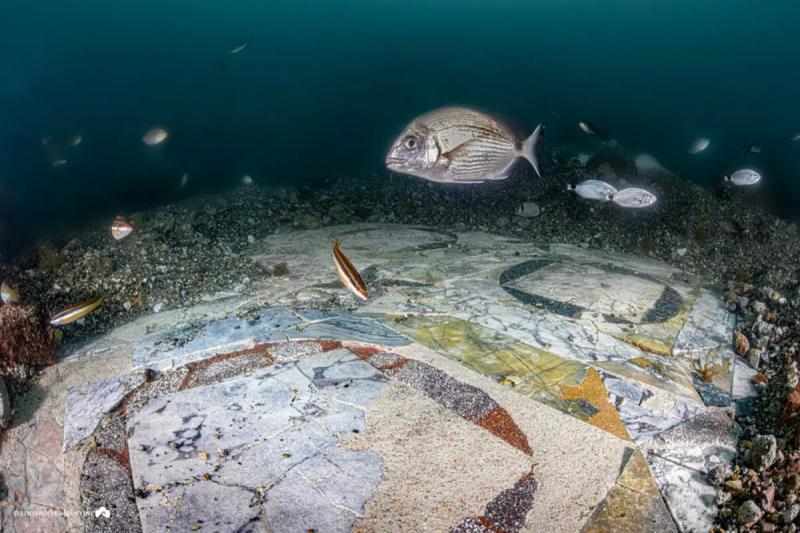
column 790, row 513
column 749, row 513
column 158, row 307
column 717, row 475
column 529, row 210
column 681, row 251
column 251, row 239
column 763, row 452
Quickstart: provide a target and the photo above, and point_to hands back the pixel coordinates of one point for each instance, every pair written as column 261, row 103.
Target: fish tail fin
column 529, row 148
column 570, row 187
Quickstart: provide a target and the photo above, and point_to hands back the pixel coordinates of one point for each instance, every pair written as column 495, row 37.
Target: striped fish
column 76, row 312
column 120, row 228
column 460, row 145
column 348, row 273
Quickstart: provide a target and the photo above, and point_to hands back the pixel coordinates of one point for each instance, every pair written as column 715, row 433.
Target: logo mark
column 102, row 511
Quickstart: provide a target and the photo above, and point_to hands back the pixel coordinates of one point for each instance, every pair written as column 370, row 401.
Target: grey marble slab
column 173, row 348
column 274, row 432
column 87, row 404
column 484, row 302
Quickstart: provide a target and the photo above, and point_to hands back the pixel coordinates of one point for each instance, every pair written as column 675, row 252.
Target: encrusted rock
column 5, row 405
column 763, row 452
column 749, row 513
column 26, row 339
column 790, row 513
column 740, row 343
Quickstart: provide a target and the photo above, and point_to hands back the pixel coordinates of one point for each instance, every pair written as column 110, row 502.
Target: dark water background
column 325, row 85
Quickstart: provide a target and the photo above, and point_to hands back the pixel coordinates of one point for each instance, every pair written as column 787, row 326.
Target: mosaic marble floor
column 488, row 384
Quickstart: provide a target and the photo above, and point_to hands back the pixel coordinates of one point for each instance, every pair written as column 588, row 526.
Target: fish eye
column 411, row 142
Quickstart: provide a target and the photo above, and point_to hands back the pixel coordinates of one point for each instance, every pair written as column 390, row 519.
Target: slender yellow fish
column 77, row 311
column 348, row 273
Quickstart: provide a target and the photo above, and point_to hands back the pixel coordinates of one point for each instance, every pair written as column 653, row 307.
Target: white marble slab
column 593, row 289
column 709, row 326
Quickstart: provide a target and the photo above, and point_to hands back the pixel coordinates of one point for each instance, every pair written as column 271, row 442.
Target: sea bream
column 744, row 177
column 460, row 145
column 634, row 197
column 594, row 190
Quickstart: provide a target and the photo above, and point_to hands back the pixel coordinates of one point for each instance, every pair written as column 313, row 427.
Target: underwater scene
column 399, row 266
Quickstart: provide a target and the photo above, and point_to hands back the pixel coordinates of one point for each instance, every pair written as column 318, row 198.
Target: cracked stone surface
column 87, row 404
column 272, row 434
column 487, row 384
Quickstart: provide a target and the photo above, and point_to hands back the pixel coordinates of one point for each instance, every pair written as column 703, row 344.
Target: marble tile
column 633, row 504
column 705, row 441
column 621, row 405
column 269, row 437
column 192, row 343
column 709, row 326
column 689, row 497
column 592, row 290
column 87, row 404
column 680, row 460
column 171, row 349
column 346, row 327
column 743, row 375
column 484, row 302
column 644, row 412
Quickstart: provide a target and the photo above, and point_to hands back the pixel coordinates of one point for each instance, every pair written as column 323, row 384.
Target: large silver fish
column 633, row 197
column 460, row 145
column 744, row 177
column 594, row 190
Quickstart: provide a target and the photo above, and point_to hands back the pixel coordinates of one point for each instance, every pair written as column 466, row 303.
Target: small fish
column 121, row 228
column 589, row 128
column 594, row 190
column 699, row 145
column 753, row 148
column 75, row 140
column 460, row 145
column 155, row 136
column 744, row 177
column 9, row 293
column 795, row 136
column 54, row 155
column 634, row 198
column 239, row 47
column 184, row 181
column 247, row 179
column 76, row 312
column 347, row 272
